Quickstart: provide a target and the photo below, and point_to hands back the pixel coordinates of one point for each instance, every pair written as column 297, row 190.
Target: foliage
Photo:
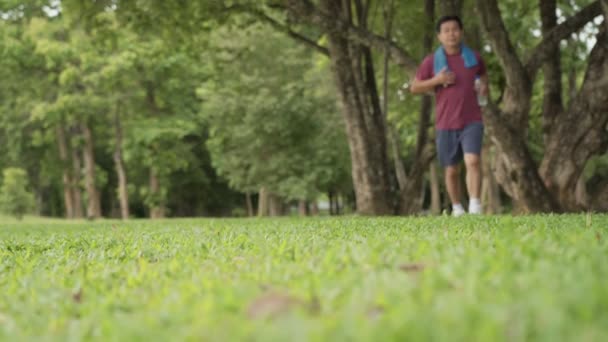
column 15, row 197
column 272, row 125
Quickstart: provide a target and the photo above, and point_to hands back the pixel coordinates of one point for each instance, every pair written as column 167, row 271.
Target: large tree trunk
column 123, row 194
column 352, row 69
column 490, row 194
column 580, row 132
column 263, row 202
column 68, row 194
column 157, row 209
column 93, row 202
column 516, row 169
column 77, row 193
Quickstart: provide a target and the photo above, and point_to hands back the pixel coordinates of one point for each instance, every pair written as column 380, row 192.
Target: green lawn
column 540, row 278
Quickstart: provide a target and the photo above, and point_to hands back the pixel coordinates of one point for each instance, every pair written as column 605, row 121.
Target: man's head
column 449, row 31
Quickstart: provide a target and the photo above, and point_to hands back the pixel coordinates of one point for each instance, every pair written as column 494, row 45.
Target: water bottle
column 482, row 100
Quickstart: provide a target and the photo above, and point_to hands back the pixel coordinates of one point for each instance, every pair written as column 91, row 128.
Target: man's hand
column 445, row 77
column 483, row 87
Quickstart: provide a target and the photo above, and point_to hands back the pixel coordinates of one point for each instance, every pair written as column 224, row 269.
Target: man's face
column 450, row 34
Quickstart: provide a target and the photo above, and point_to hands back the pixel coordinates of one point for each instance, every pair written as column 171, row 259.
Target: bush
column 15, row 199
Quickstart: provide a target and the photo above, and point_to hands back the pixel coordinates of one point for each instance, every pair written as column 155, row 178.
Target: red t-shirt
column 456, row 105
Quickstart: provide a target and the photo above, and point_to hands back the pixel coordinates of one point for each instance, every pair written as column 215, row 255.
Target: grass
column 535, row 278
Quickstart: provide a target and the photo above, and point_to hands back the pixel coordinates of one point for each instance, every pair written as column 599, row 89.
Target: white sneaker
column 475, row 210
column 475, row 207
column 458, row 210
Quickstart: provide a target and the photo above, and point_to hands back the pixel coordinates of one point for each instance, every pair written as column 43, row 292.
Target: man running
column 450, row 72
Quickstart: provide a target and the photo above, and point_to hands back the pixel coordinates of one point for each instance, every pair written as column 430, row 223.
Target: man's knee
column 472, row 161
column 451, row 171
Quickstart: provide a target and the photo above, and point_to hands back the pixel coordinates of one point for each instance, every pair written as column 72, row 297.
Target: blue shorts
column 452, row 144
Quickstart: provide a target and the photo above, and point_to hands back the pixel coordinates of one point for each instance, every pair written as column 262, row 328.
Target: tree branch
column 306, row 11
column 544, row 49
column 287, row 30
column 605, row 11
column 494, row 27
column 593, row 91
column 552, row 85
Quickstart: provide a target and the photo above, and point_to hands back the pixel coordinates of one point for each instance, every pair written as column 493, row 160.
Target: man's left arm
column 485, row 85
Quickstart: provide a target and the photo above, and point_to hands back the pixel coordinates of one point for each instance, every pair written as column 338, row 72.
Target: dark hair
column 447, row 18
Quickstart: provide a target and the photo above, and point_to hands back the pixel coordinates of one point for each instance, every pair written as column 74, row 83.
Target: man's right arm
column 424, row 86
column 421, row 86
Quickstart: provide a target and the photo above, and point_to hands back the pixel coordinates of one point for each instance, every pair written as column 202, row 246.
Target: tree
column 572, row 136
column 273, row 128
column 15, row 197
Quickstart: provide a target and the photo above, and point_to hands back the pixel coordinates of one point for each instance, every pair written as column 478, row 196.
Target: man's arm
column 485, row 85
column 444, row 78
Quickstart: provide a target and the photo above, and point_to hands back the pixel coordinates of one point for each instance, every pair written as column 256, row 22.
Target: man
column 450, row 72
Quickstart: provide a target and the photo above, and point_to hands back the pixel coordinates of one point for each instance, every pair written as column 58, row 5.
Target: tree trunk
column 412, row 191
column 303, row 207
column 490, row 194
column 77, row 193
column 604, row 4
column 275, row 205
column 435, row 189
column 68, row 194
column 580, row 194
column 362, row 114
column 516, row 169
column 338, row 205
column 552, row 99
column 157, row 208
column 250, row 212
column 314, row 208
column 572, row 89
column 123, row 194
column 580, row 132
column 450, row 7
column 393, row 135
column 263, row 202
column 93, row 202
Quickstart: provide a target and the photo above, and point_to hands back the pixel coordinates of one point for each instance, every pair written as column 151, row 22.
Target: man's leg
column 452, row 183
column 449, row 153
column 473, row 165
column 471, row 144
